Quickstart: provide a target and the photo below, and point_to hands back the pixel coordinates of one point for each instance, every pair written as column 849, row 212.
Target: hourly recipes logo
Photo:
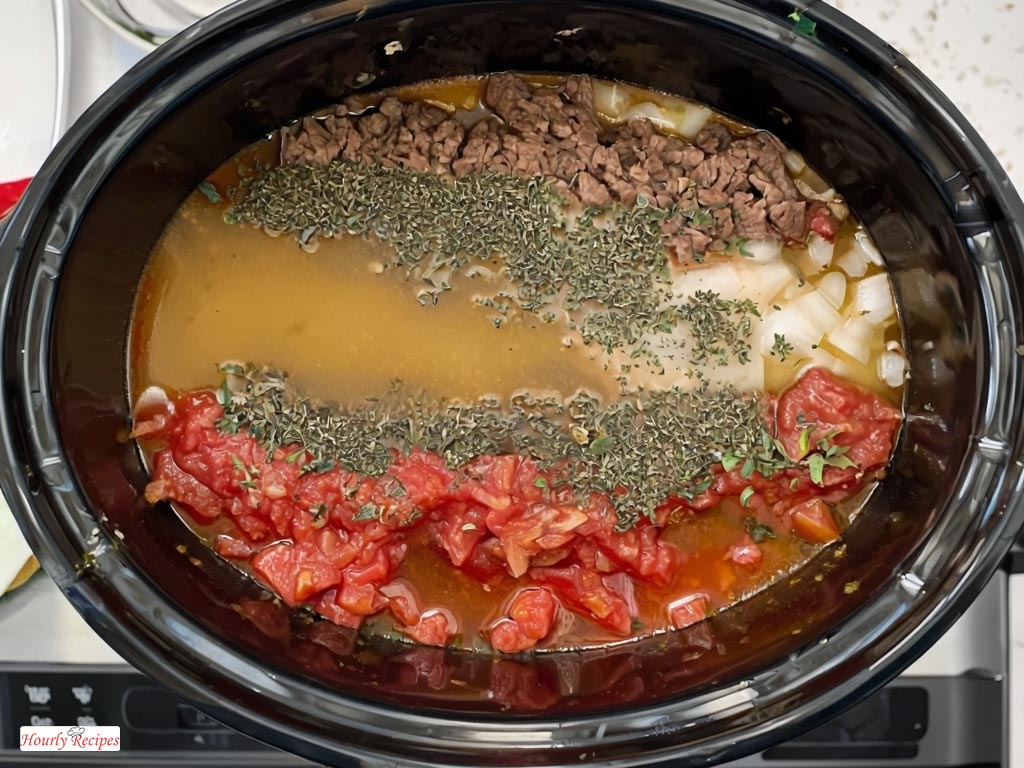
column 75, row 738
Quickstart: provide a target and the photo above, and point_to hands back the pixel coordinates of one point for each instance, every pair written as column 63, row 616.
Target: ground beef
column 738, row 185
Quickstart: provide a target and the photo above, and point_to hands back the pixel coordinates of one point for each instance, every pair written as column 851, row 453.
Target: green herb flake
column 729, row 462
column 803, row 25
column 541, row 482
column 210, row 191
column 599, row 446
column 746, row 495
column 757, row 530
column 816, row 465
column 367, row 512
column 781, row 348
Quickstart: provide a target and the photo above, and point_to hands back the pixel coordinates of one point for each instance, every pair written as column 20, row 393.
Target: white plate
column 33, row 56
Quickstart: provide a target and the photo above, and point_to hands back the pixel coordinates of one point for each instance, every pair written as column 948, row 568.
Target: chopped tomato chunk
column 592, row 594
column 813, row 522
column 232, row 548
column 688, row 610
column 435, row 627
column 530, row 617
column 748, row 554
column 295, row 572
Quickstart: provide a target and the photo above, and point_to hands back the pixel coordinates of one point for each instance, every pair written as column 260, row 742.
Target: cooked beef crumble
column 738, row 185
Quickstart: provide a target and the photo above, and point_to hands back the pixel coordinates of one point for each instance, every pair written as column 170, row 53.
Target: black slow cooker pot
column 934, row 199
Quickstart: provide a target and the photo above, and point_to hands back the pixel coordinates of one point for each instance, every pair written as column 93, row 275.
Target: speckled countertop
column 973, row 50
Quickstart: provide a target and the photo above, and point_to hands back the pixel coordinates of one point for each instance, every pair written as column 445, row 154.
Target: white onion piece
column 794, row 162
column 819, row 358
column 839, row 210
column 853, row 338
column 610, row 99
column 892, row 368
column 833, row 287
column 648, row 110
column 820, row 251
column 152, row 400
column 819, row 313
column 763, row 251
column 763, row 281
column 853, row 262
column 873, row 299
column 721, row 278
column 865, row 243
column 792, row 324
column 692, row 120
column 797, row 288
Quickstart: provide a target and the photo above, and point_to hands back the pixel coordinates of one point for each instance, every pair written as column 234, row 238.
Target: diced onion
column 819, row 358
column 610, row 99
column 833, row 287
column 152, row 399
column 791, row 324
column 820, row 251
column 853, row 262
column 797, row 288
column 648, row 110
column 873, row 300
column 794, row 162
column 763, row 251
column 692, row 120
column 853, row 338
column 818, row 311
column 720, row 278
column 762, row 282
column 839, row 210
column 866, row 245
column 892, row 368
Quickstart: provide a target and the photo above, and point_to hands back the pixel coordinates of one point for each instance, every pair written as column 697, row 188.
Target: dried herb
column 653, row 444
column 781, row 348
column 720, row 327
column 209, row 191
column 757, row 530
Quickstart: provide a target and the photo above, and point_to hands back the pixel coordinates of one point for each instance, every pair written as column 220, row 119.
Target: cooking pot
column 936, row 202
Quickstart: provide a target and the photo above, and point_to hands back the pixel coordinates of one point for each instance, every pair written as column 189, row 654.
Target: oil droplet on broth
column 343, row 330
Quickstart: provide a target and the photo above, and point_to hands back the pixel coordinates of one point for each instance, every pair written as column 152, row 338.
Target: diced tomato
column 486, row 562
column 746, row 553
column 823, row 222
column 641, row 553
column 819, row 405
column 360, row 599
column 688, row 610
column 295, row 572
column 328, row 607
column 813, row 521
column 506, row 636
column 171, row 483
column 590, row 594
column 459, row 529
column 402, row 601
column 529, row 619
column 339, row 548
column 435, row 627
column 232, row 548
